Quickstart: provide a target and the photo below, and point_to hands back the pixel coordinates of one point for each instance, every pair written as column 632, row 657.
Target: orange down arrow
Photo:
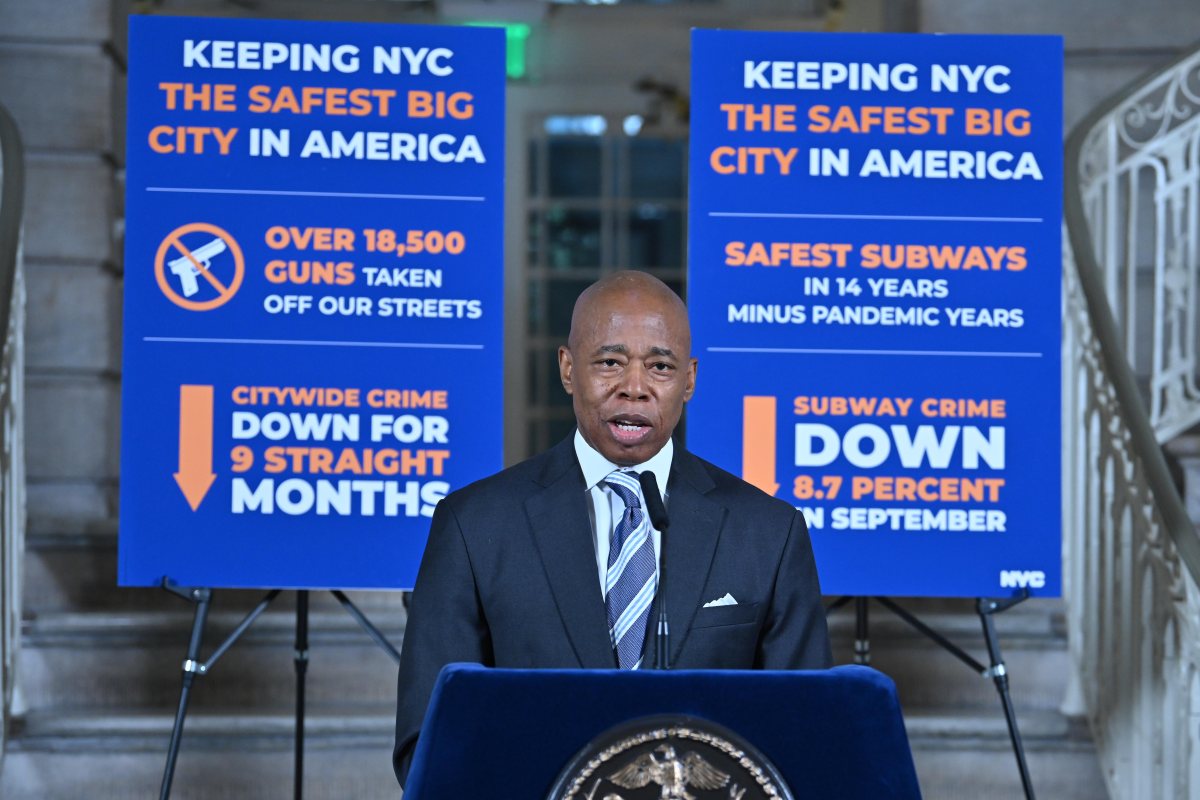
column 195, row 476
column 758, row 443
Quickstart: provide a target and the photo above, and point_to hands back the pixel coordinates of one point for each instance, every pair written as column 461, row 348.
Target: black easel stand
column 193, row 667
column 986, row 609
column 301, row 663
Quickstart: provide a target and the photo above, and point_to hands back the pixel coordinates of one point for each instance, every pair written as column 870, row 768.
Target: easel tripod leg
column 191, row 668
column 999, row 675
column 361, row 618
column 301, row 674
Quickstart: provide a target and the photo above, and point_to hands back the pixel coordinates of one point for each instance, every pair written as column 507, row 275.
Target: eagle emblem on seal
column 674, row 774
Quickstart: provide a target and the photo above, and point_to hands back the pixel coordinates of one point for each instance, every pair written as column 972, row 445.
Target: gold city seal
column 670, row 757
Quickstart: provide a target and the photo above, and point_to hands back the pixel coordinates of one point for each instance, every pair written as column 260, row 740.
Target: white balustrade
column 1139, row 174
column 12, row 418
column 1129, row 383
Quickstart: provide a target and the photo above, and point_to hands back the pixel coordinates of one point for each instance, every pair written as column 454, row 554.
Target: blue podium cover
column 874, row 284
column 834, row 733
column 313, row 296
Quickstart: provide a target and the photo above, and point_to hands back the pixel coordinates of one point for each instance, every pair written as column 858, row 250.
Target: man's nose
column 633, row 383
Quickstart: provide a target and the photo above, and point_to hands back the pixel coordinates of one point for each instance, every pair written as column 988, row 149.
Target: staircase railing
column 12, row 416
column 1131, row 260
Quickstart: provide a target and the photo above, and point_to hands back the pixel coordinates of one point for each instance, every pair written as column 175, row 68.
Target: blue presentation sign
column 313, row 296
column 874, row 285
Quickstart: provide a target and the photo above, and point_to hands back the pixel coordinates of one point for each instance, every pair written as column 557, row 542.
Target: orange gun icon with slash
column 190, row 263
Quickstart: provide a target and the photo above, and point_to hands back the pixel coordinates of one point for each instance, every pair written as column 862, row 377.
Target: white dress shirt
column 606, row 507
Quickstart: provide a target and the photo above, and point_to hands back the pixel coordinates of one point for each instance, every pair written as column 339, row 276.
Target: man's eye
column 661, row 366
column 608, row 362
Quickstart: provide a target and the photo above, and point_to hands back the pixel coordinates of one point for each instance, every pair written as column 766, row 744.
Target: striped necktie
column 630, row 581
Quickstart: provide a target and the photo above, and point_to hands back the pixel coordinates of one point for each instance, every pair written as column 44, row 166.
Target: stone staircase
column 955, row 722
column 100, row 671
column 100, row 679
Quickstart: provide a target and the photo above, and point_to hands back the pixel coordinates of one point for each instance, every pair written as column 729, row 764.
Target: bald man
column 554, row 562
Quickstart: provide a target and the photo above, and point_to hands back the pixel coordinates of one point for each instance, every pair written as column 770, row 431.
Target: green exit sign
column 516, row 34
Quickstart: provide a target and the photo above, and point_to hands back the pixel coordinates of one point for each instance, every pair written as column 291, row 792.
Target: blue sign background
column 241, row 343
column 1019, row 365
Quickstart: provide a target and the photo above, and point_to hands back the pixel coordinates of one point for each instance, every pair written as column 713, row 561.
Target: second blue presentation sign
column 875, row 267
column 313, row 296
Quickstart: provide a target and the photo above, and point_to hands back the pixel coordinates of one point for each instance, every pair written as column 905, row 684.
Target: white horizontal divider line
column 313, row 342
column 835, row 352
column 368, row 195
column 900, row 217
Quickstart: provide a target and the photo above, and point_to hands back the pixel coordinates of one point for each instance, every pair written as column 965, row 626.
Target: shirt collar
column 596, row 467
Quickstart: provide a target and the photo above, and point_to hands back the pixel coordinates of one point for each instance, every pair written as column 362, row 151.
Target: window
column 602, row 194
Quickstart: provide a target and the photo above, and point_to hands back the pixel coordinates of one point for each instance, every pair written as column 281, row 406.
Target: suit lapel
column 561, row 528
column 691, row 543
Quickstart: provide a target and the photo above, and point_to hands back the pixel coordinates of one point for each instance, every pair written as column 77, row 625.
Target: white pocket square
column 727, row 600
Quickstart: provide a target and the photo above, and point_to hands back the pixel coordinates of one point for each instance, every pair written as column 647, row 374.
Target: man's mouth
column 629, row 429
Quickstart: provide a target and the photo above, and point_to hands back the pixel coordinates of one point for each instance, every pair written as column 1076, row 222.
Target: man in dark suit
column 553, row 562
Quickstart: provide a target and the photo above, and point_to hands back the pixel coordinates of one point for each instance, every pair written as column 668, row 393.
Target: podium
column 834, row 733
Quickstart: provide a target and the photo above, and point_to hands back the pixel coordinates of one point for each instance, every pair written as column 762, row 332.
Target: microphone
column 654, row 502
column 659, row 519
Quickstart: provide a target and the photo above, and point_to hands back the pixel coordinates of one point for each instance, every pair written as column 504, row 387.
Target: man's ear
column 565, row 363
column 690, row 388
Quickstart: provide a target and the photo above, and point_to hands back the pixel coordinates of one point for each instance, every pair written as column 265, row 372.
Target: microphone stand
column 663, row 636
column 660, row 520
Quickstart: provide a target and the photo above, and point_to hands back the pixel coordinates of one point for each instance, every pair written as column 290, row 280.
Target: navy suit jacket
column 509, row 579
